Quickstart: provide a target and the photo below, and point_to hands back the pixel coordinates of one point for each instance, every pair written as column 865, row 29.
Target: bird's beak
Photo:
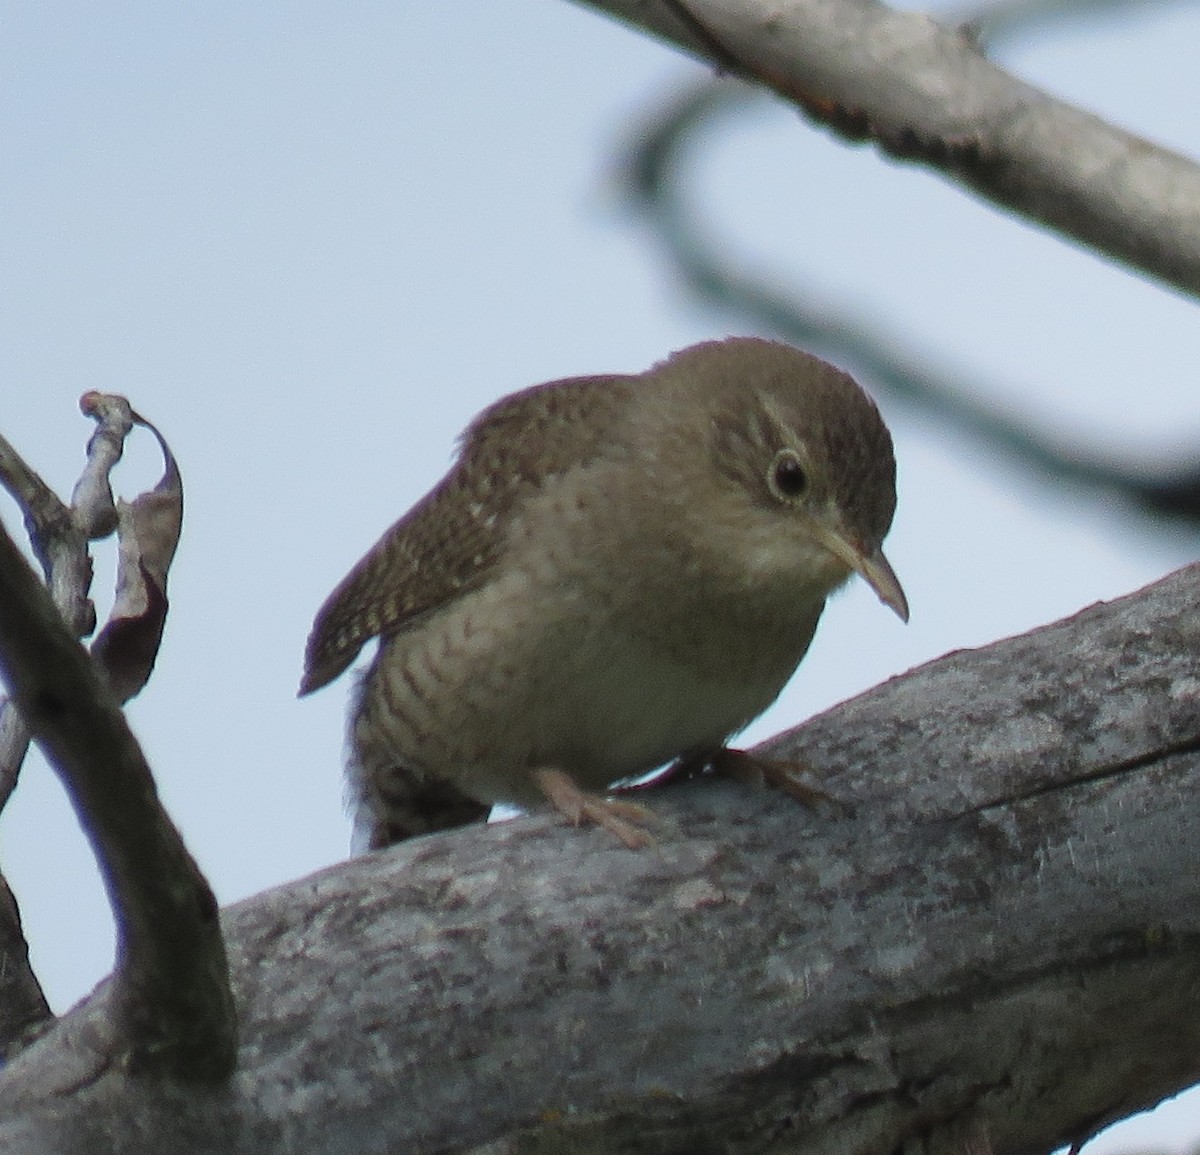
column 877, row 572
column 874, row 568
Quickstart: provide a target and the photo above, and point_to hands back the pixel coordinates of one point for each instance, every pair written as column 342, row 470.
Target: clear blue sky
column 310, row 241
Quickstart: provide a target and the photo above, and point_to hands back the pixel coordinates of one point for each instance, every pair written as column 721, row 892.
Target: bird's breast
column 519, row 676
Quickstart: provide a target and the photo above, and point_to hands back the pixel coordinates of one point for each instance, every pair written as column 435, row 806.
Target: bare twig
column 58, row 540
column 92, row 500
column 59, row 535
column 148, row 531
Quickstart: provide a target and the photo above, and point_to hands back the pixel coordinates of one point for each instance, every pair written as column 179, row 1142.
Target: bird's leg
column 787, row 775
column 578, row 806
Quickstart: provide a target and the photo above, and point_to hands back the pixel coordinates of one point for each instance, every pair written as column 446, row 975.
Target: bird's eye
column 788, row 477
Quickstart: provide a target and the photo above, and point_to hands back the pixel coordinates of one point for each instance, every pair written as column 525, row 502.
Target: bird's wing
column 451, row 539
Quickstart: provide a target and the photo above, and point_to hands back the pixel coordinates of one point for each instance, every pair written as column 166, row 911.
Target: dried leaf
column 148, row 531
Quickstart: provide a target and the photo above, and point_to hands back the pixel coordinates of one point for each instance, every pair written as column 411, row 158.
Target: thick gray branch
column 923, row 92
column 1003, row 940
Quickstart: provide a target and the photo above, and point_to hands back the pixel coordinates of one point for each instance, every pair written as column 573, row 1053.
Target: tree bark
column 1001, row 942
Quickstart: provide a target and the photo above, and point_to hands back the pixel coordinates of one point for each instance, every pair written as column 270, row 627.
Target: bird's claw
column 624, row 820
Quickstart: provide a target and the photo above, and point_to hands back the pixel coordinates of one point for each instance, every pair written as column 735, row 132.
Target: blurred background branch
column 923, row 92
column 657, row 173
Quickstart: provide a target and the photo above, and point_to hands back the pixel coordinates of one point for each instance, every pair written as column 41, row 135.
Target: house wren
column 616, row 572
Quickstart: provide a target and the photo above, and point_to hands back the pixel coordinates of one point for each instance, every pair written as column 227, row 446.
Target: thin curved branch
column 172, row 1012
column 92, row 503
column 656, row 176
column 1001, row 944
column 924, row 93
column 58, row 539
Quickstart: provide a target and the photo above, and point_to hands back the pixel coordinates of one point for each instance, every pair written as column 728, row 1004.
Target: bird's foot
column 623, row 820
column 787, row 775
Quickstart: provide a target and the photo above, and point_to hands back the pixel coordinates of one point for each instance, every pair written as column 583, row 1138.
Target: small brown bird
column 617, row 571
